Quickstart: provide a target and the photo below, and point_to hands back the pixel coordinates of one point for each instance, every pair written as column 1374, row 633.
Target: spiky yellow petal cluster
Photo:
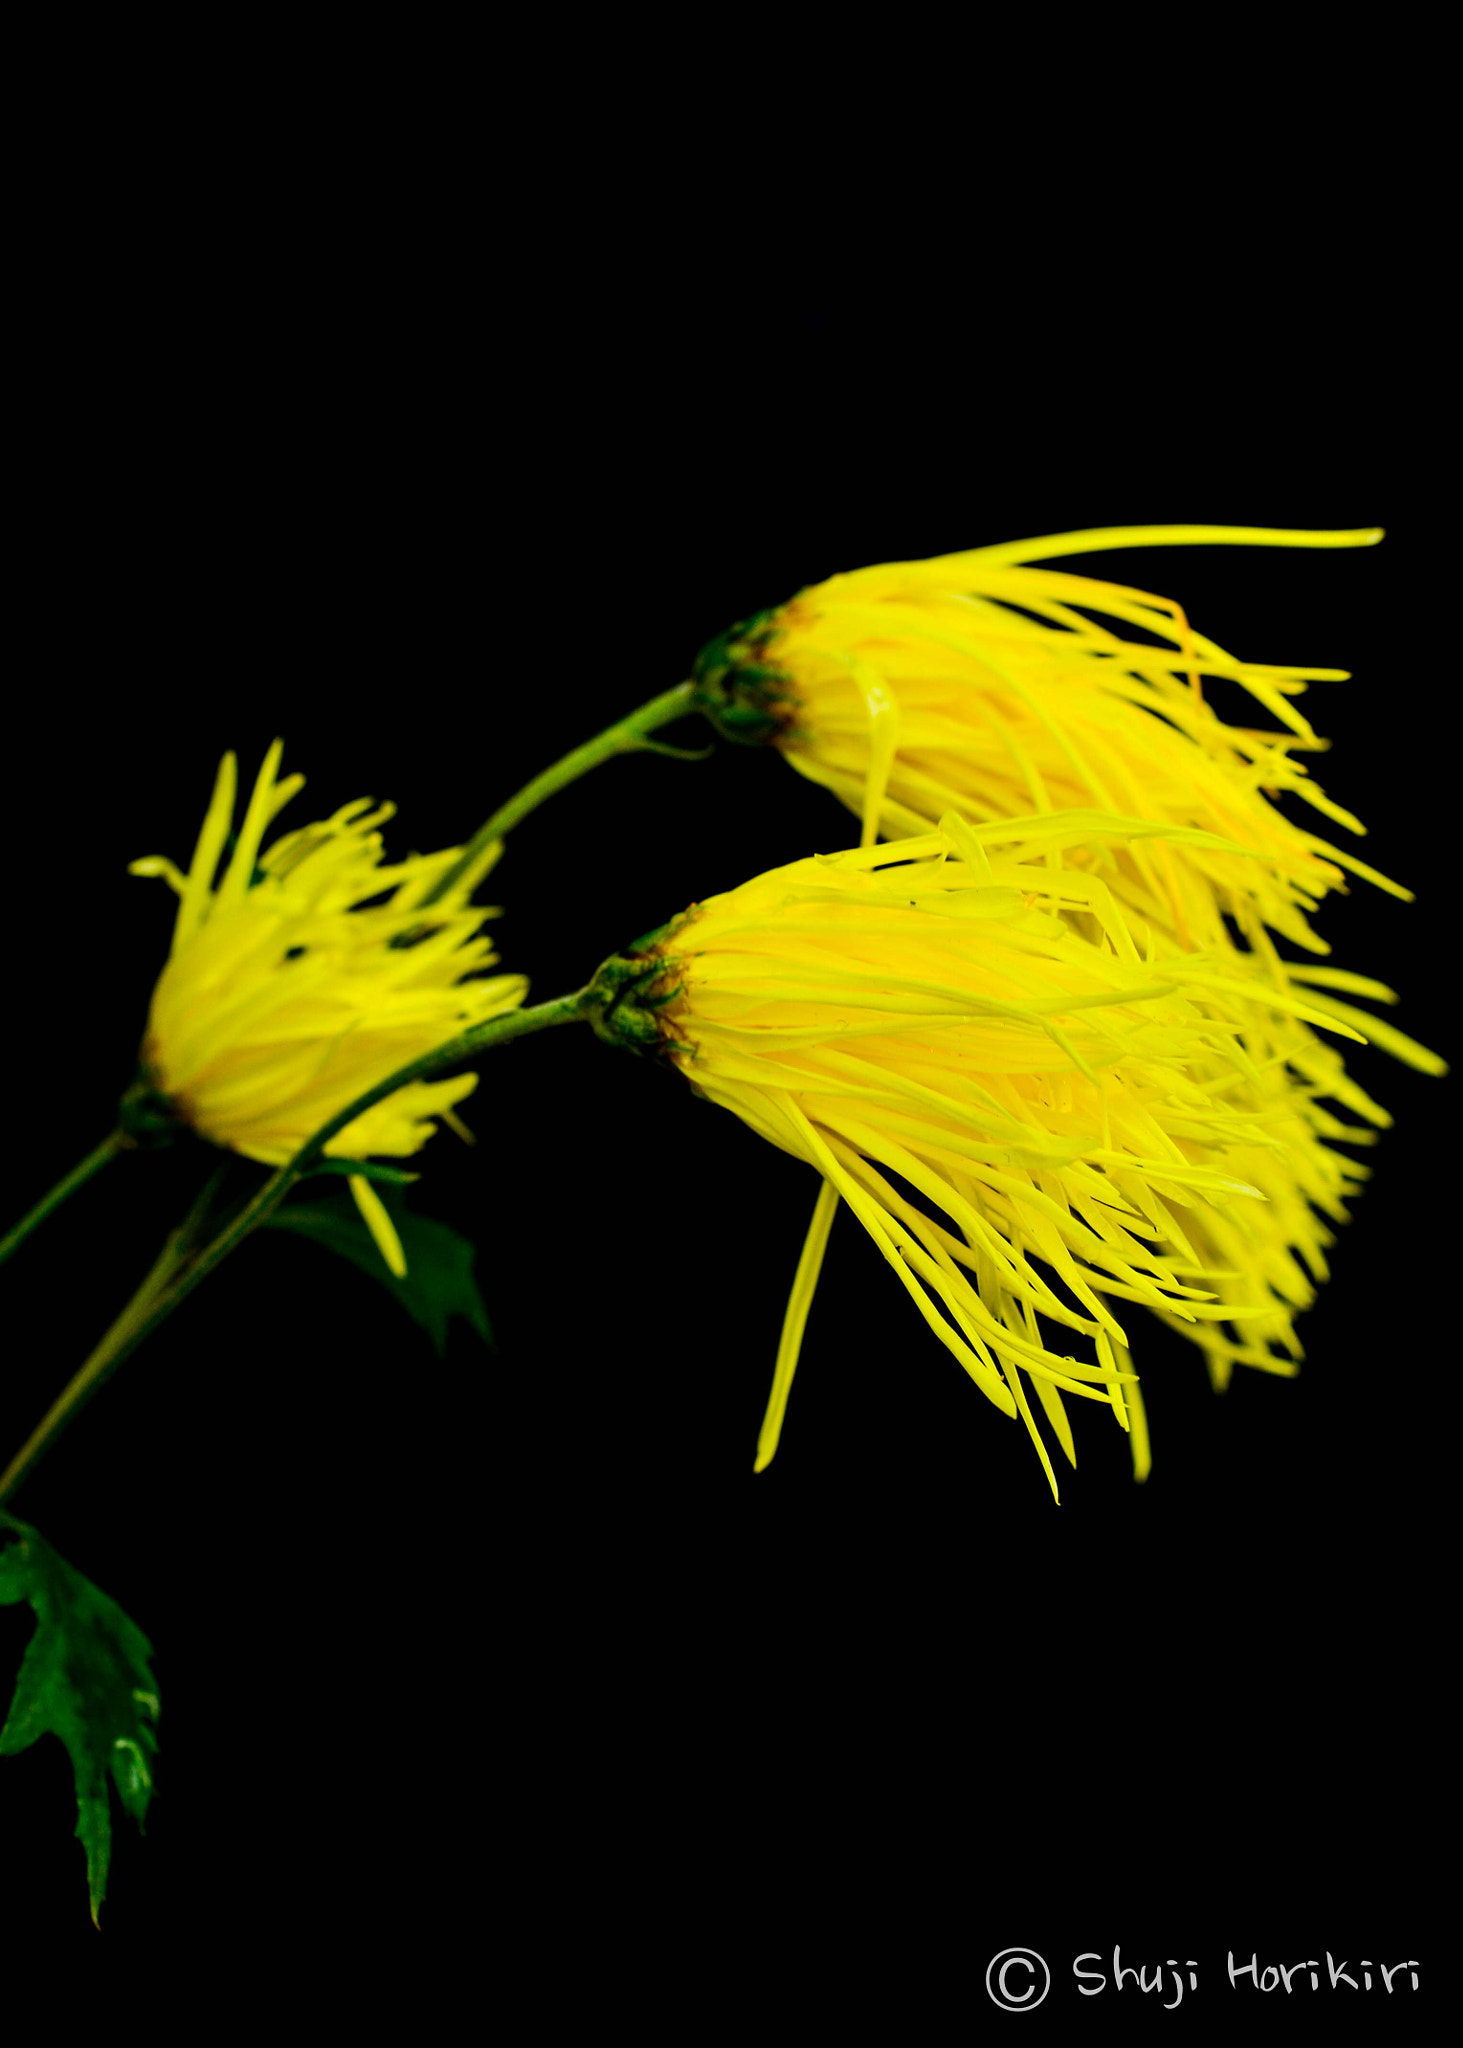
column 1039, row 1107
column 978, row 683
column 305, row 973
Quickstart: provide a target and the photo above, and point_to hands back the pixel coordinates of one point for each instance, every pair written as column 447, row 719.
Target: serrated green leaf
column 439, row 1281
column 85, row 1677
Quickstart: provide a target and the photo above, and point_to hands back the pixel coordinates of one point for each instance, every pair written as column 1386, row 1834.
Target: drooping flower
column 305, row 972
column 1041, row 1110
column 981, row 684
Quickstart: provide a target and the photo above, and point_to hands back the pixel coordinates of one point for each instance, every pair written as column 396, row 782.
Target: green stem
column 626, row 737
column 116, row 1142
column 108, row 1354
column 179, row 1270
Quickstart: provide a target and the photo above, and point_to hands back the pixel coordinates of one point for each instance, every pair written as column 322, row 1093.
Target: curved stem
column 479, row 1038
column 179, row 1270
column 628, row 736
column 117, row 1141
column 108, row 1353
column 176, row 1249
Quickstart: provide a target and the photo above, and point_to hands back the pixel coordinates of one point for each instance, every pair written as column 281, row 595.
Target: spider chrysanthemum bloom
column 1043, row 1115
column 982, row 684
column 303, row 973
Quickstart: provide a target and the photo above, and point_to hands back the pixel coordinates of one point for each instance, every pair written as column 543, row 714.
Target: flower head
column 980, row 684
column 1041, row 1110
column 305, row 972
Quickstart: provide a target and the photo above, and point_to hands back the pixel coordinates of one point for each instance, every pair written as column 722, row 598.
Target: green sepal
column 744, row 695
column 652, row 941
column 367, row 1169
column 626, row 995
column 147, row 1116
column 85, row 1678
column 439, row 1281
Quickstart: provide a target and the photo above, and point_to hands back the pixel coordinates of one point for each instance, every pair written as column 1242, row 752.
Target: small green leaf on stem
column 86, row 1678
column 439, row 1281
column 365, row 1169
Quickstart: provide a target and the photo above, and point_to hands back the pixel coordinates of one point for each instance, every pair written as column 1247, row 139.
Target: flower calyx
column 148, row 1118
column 745, row 696
column 627, row 1000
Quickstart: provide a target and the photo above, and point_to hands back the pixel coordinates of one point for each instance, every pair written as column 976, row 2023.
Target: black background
column 514, row 1645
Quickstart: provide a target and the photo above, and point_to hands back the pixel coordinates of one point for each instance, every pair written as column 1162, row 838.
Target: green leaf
column 85, row 1677
column 366, row 1169
column 439, row 1282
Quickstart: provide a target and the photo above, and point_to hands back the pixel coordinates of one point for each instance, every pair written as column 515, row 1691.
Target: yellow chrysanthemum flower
column 1039, row 1108
column 980, row 684
column 307, row 972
